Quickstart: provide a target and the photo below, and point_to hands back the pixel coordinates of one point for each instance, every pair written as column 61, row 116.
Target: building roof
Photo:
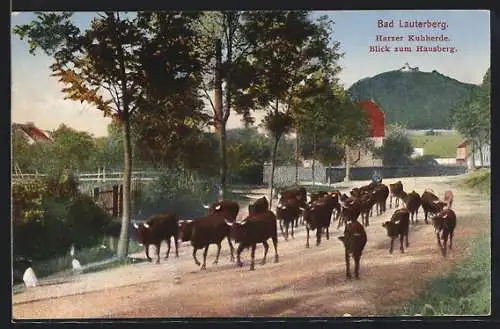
column 375, row 116
column 36, row 134
column 463, row 144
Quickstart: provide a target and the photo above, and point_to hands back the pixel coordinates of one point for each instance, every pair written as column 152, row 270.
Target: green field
column 444, row 146
column 479, row 180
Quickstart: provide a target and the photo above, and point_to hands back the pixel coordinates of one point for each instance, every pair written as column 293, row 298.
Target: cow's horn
column 206, row 206
column 228, row 222
column 146, row 225
column 217, row 207
column 189, row 221
column 135, row 225
column 303, row 209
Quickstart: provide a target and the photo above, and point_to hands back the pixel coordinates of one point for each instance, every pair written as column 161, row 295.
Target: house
column 360, row 157
column 472, row 156
column 31, row 133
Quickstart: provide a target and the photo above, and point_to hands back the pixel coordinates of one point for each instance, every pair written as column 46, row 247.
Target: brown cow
column 444, row 225
column 157, row 228
column 318, row 217
column 413, row 203
column 396, row 190
column 257, row 228
column 448, row 198
column 204, row 231
column 431, row 204
column 229, row 208
column 398, row 226
column 354, row 240
column 350, row 210
column 288, row 211
column 260, row 206
column 299, row 194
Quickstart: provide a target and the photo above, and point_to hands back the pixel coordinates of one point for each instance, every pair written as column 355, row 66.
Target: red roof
column 33, row 132
column 463, row 144
column 376, row 118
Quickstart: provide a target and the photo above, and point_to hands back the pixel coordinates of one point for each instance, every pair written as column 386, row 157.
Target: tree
column 472, row 119
column 397, row 148
column 123, row 65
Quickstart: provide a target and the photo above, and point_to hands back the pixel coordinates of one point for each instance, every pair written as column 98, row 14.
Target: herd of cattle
column 297, row 207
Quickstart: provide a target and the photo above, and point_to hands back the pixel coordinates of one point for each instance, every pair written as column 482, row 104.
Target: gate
column 110, row 200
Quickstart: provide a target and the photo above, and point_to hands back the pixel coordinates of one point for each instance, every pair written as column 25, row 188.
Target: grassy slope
column 440, row 145
column 467, row 288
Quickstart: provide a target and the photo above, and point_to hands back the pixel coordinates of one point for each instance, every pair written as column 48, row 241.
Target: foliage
column 50, row 215
column 424, row 160
column 124, row 66
column 327, row 152
column 466, row 290
column 472, row 118
column 441, row 146
column 397, row 147
column 421, row 100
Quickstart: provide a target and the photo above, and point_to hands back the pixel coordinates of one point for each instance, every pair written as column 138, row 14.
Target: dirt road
column 305, row 282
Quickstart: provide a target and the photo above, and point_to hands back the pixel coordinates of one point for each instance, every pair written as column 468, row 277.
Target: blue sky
column 36, row 96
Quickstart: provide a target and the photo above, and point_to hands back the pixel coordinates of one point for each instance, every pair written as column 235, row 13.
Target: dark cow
column 349, row 211
column 299, row 194
column 448, row 198
column 396, row 190
column 398, row 226
column 413, row 203
column 317, row 195
column 287, row 212
column 318, row 217
column 366, row 202
column 156, row 229
column 431, row 204
column 257, row 228
column 444, row 225
column 204, row 231
column 381, row 195
column 354, row 240
column 260, row 206
column 229, row 208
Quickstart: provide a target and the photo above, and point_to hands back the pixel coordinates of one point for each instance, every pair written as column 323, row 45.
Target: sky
column 37, row 96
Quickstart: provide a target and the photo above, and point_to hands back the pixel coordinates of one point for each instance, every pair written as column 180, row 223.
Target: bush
column 50, row 215
column 479, row 179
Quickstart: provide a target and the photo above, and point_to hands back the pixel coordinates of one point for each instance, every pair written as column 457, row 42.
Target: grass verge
column 479, row 179
column 466, row 290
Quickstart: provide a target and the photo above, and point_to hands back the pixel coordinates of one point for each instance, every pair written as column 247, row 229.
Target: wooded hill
column 421, row 100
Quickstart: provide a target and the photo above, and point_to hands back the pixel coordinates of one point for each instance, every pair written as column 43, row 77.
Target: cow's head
column 238, row 230
column 142, row 232
column 391, row 228
column 185, row 229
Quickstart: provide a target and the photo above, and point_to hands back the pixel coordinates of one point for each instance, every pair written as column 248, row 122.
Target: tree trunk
column 297, row 159
column 273, row 164
column 122, row 249
column 220, row 123
column 347, row 165
column 481, row 154
column 314, row 159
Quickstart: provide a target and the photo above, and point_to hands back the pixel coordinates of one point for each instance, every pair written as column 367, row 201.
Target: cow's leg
column 252, row 264
column 307, row 233
column 406, row 237
column 196, row 261
column 168, row 249
column 390, row 201
column 281, row 228
column 438, row 238
column 218, row 253
column 347, row 265
column 231, row 247
column 146, row 248
column 451, row 240
column 292, row 229
column 357, row 258
column 328, row 232
column 205, row 252
column 318, row 235
column 426, row 213
column 157, row 250
column 392, row 245
column 367, row 220
column 401, row 238
column 238, row 253
column 266, row 248
column 275, row 244
column 176, row 242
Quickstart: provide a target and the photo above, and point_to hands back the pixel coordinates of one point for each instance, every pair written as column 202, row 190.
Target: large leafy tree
column 473, row 118
column 397, row 148
column 122, row 65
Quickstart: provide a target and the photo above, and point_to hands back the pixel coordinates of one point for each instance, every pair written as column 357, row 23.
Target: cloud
column 15, row 13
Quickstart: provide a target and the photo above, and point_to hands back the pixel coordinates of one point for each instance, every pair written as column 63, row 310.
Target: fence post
column 96, row 193
column 121, row 201
column 115, row 200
